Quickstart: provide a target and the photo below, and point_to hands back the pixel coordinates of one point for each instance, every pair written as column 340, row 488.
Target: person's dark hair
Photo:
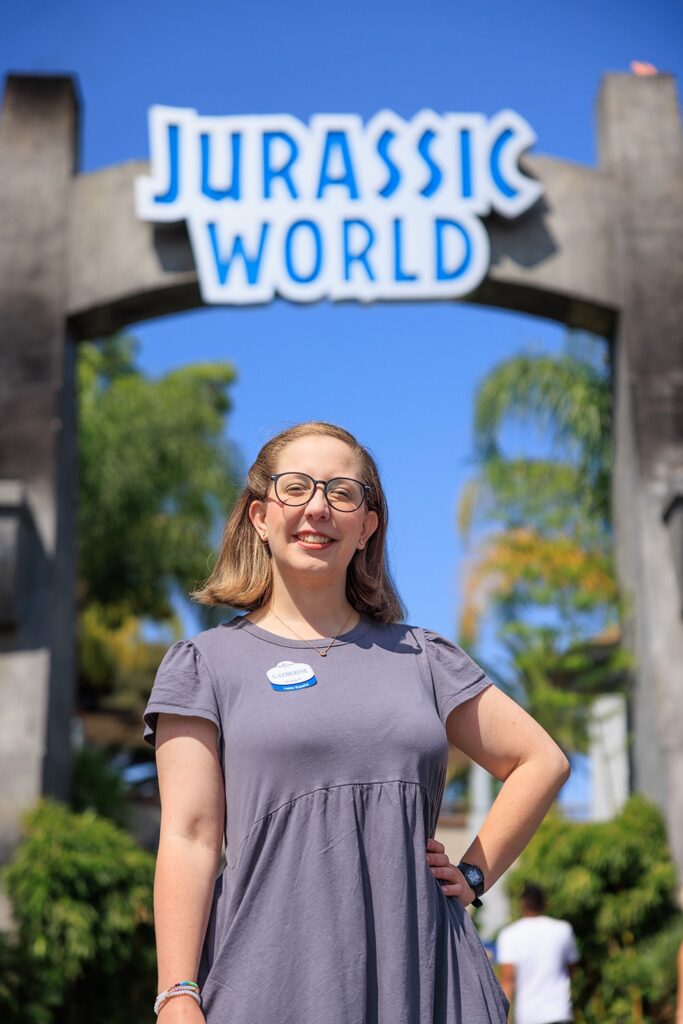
column 533, row 897
column 242, row 577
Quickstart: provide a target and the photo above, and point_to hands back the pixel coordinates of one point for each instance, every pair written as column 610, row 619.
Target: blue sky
column 401, row 376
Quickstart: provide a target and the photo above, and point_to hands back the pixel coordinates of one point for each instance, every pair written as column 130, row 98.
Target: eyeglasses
column 342, row 493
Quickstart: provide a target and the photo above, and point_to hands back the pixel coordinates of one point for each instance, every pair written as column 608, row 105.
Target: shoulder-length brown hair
column 242, row 576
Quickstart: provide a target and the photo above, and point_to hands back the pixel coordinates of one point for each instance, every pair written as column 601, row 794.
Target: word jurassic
column 338, row 209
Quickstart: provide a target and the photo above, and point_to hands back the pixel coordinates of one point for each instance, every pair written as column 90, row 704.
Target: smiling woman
column 305, row 514
column 325, row 777
column 316, row 454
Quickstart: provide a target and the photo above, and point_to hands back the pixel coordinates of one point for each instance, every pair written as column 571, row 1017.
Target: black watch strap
column 474, row 877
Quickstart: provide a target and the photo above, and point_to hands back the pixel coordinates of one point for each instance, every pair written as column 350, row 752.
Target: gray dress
column 326, row 911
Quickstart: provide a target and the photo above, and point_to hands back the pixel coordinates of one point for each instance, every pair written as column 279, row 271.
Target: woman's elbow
column 552, row 763
column 561, row 767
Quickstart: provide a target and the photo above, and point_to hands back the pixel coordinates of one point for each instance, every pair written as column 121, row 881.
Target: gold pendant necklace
column 316, row 649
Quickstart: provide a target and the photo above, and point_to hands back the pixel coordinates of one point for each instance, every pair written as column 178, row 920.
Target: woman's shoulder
column 205, row 641
column 439, row 649
column 431, row 638
column 221, row 635
column 407, row 629
column 406, row 633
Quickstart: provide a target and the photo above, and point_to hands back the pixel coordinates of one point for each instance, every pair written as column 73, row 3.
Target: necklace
column 298, row 635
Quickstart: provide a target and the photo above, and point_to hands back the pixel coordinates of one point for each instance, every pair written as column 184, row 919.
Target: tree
column 156, row 478
column 569, row 398
column 543, row 567
column 615, row 882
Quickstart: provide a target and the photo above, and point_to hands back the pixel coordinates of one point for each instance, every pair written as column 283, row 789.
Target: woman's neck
column 308, row 615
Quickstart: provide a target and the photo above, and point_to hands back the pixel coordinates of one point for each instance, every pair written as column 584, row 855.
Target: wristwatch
column 474, row 877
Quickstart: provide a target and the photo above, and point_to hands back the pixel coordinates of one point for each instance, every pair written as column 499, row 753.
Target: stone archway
column 602, row 250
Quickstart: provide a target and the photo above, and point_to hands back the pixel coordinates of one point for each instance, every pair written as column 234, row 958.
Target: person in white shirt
column 536, row 956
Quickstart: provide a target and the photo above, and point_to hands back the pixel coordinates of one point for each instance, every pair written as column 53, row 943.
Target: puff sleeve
column 455, row 677
column 183, row 686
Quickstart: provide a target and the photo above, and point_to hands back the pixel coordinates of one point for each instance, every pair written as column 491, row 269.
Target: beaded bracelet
column 181, row 988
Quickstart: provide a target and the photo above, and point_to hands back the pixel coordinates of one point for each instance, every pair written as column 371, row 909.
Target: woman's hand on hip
column 451, row 878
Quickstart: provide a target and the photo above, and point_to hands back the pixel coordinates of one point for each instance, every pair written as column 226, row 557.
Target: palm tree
column 568, row 397
column 542, row 565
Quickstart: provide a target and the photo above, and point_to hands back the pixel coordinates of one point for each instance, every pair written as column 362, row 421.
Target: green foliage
column 116, row 660
column 567, row 397
column 542, row 571
column 562, row 501
column 156, row 479
column 564, row 712
column 615, row 882
column 81, row 892
column 98, row 787
column 156, row 476
column 516, row 492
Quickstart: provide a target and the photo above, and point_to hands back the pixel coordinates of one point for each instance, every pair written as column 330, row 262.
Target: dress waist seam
column 324, row 789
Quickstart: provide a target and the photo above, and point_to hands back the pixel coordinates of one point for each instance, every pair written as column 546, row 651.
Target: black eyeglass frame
column 326, row 483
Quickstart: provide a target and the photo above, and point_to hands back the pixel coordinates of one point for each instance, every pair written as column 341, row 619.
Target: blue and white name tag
column 291, row 675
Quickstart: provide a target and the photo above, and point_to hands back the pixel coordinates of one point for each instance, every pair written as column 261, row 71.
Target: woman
column 679, row 986
column 320, row 724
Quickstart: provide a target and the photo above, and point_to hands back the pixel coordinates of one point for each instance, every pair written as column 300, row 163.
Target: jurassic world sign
column 336, row 208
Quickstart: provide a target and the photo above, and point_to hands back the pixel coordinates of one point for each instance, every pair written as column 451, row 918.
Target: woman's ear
column 370, row 524
column 257, row 517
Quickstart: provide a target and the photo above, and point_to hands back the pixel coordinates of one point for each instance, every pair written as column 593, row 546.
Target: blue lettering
column 252, row 264
column 399, row 273
column 336, row 142
column 466, row 162
column 233, row 192
column 318, row 242
column 494, row 161
column 270, row 173
column 359, row 257
column 442, row 274
column 171, row 194
column 394, row 179
column 435, row 175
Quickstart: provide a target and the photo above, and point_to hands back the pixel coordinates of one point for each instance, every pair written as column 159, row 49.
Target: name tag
column 291, row 675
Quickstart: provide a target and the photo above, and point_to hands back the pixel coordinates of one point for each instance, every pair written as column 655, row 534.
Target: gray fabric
column 327, row 911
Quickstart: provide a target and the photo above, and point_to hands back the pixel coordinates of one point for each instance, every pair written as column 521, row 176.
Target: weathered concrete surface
column 641, row 148
column 26, row 674
column 555, row 261
column 37, row 443
column 122, row 269
column 608, row 732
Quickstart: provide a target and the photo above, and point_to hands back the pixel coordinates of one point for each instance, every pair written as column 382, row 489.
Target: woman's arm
column 192, row 817
column 500, row 736
column 679, row 993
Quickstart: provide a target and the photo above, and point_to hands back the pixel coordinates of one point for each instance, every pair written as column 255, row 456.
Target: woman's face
column 314, row 541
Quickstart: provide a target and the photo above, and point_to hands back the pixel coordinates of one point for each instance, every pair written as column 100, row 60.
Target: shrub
column 615, row 882
column 83, row 949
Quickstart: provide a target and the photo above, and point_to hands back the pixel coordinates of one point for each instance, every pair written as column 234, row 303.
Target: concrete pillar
column 38, row 144
column 642, row 150
column 608, row 756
